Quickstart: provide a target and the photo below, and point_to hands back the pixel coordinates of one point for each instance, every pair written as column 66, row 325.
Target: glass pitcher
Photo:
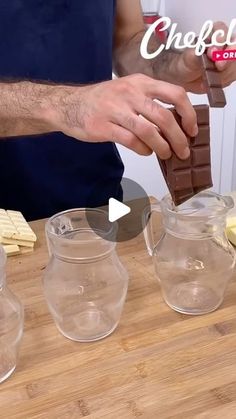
column 193, row 259
column 85, row 283
column 11, row 324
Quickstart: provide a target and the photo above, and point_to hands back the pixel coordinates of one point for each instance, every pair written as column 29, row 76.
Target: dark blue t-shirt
column 62, row 41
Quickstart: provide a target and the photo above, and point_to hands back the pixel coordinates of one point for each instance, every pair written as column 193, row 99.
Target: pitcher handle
column 148, row 227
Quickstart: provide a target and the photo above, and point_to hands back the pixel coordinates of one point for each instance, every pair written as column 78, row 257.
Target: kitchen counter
column 157, row 364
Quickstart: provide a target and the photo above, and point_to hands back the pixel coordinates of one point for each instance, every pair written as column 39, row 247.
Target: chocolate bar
column 213, row 83
column 14, row 229
column 186, row 178
column 15, row 226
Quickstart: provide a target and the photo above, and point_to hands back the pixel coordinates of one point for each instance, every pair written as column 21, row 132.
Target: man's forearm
column 128, row 60
column 23, row 108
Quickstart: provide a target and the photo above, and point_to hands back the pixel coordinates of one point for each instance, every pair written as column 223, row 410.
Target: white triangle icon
column 117, row 210
column 217, row 55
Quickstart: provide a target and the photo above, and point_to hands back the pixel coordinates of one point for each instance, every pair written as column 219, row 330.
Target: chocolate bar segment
column 213, row 83
column 203, row 114
column 208, row 64
column 186, row 178
column 212, row 78
column 216, row 98
column 201, row 156
column 203, row 135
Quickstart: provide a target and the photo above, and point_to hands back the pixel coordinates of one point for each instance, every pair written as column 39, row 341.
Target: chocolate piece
column 201, row 156
column 208, row 64
column 203, row 115
column 213, row 83
column 203, row 135
column 212, row 78
column 185, row 178
column 216, row 98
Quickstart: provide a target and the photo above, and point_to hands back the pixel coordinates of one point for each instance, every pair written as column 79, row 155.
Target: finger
column 221, row 37
column 223, row 65
column 220, row 65
column 190, row 61
column 176, row 95
column 129, row 140
column 222, row 31
column 228, row 75
column 147, row 133
column 191, row 64
column 198, row 86
column 165, row 121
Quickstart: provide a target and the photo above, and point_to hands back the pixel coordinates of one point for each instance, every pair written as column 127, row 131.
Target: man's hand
column 183, row 69
column 120, row 110
column 189, row 70
column 110, row 111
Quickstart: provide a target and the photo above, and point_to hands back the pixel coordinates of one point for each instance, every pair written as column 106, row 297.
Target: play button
column 117, row 210
column 123, row 210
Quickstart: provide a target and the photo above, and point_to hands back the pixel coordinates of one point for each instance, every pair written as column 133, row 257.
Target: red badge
column 224, row 55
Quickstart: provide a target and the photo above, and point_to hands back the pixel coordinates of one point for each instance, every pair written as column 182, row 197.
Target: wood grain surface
column 158, row 364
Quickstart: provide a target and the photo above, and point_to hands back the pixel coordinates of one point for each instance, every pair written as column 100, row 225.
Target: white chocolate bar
column 14, row 249
column 4, row 240
column 231, row 234
column 13, row 226
column 231, row 222
column 11, row 249
column 231, row 229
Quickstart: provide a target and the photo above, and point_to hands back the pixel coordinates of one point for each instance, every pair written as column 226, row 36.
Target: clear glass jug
column 85, row 283
column 193, row 259
column 11, row 324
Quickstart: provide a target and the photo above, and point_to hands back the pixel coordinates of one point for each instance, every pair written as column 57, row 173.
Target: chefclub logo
column 176, row 40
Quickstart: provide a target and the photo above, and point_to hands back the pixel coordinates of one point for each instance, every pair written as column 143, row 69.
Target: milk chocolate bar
column 213, row 83
column 185, row 178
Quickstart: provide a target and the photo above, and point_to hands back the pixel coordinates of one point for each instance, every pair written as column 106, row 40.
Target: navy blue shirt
column 63, row 41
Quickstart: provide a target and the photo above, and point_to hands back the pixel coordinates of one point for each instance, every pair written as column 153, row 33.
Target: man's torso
column 63, row 41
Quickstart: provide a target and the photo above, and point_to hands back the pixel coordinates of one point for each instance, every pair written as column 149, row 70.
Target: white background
column 190, row 15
